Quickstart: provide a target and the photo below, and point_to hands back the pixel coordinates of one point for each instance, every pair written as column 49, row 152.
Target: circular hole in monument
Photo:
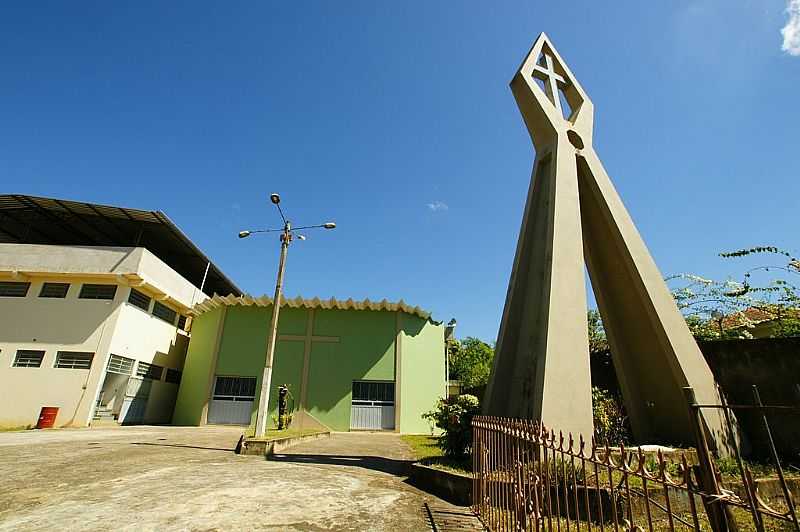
column 575, row 139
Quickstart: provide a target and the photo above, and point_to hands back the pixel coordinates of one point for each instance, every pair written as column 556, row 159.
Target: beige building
column 88, row 324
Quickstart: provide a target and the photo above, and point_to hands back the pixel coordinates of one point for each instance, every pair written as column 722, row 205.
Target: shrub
column 454, row 417
column 610, row 421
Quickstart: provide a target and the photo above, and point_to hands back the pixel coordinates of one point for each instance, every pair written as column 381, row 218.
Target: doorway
column 372, row 406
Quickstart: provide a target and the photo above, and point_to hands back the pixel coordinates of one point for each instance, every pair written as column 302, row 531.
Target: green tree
column 716, row 309
column 471, row 362
column 597, row 334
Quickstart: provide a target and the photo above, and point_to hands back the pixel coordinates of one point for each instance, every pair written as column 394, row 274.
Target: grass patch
column 428, row 453
column 16, row 428
column 729, row 469
column 422, row 446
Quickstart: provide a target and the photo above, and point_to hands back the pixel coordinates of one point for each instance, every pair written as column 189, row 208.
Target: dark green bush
column 454, row 417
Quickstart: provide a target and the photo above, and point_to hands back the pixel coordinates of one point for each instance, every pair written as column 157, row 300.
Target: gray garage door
column 372, row 405
column 232, row 401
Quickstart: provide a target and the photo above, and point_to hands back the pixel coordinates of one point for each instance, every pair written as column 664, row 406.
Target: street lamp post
column 286, row 237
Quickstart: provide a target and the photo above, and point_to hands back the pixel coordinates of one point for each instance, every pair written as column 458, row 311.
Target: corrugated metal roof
column 36, row 220
column 299, row 302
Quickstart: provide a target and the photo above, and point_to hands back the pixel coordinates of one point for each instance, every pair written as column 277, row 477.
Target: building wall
column 101, row 327
column 422, row 369
column 101, row 261
column 365, row 351
column 52, row 325
column 193, row 392
column 347, row 345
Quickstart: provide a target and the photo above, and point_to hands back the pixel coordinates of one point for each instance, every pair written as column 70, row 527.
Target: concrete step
column 105, row 423
column 104, row 413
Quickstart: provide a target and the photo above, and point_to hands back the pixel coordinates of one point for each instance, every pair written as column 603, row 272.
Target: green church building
column 349, row 365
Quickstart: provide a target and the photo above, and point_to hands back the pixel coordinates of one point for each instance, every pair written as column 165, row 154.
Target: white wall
column 97, row 326
column 52, row 325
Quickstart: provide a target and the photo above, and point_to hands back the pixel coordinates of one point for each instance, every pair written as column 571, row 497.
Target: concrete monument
column 574, row 216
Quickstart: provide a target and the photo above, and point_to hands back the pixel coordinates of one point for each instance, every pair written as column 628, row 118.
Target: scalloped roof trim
column 247, row 300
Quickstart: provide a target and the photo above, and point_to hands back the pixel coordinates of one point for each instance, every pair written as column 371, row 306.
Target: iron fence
column 526, row 477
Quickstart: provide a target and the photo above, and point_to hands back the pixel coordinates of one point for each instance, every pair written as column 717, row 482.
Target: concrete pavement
column 188, row 478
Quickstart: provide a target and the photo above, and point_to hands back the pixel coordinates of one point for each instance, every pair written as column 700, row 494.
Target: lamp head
column 274, row 198
column 301, row 237
column 244, row 234
column 329, row 225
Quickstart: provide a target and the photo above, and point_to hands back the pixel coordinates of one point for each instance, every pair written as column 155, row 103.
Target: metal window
column 28, row 359
column 164, row 312
column 55, row 290
column 13, row 289
column 149, row 371
column 98, row 291
column 173, row 376
column 182, row 322
column 138, row 299
column 373, row 392
column 74, row 360
column 235, row 389
column 121, row 365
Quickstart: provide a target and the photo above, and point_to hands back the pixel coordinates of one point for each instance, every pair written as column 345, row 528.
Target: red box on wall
column 47, row 417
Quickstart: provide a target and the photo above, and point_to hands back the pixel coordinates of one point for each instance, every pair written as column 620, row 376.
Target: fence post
column 708, row 478
column 746, row 480
column 784, row 487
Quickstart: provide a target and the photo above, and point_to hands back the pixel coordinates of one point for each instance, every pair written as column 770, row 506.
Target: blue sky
column 395, row 120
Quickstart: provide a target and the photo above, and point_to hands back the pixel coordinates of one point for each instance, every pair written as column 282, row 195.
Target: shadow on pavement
column 229, row 450
column 376, row 463
column 446, row 519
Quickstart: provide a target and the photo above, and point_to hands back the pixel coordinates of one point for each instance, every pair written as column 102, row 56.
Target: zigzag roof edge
column 247, row 300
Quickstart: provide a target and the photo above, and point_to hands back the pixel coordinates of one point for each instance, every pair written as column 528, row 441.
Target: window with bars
column 28, row 359
column 373, row 392
column 54, row 290
column 98, row 291
column 149, row 371
column 73, row 360
column 13, row 289
column 138, row 299
column 235, row 389
column 121, row 365
column 173, row 376
column 164, row 312
column 182, row 322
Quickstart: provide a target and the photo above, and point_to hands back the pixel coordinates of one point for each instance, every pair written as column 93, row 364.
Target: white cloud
column 438, row 206
column 791, row 32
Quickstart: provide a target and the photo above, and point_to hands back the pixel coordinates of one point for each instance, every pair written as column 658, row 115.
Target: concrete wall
column 101, row 327
column 772, row 364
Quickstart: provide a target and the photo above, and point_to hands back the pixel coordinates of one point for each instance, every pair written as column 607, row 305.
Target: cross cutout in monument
column 574, row 217
column 552, row 82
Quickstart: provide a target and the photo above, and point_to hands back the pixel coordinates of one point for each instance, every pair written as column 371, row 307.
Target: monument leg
column 654, row 353
column 544, row 331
